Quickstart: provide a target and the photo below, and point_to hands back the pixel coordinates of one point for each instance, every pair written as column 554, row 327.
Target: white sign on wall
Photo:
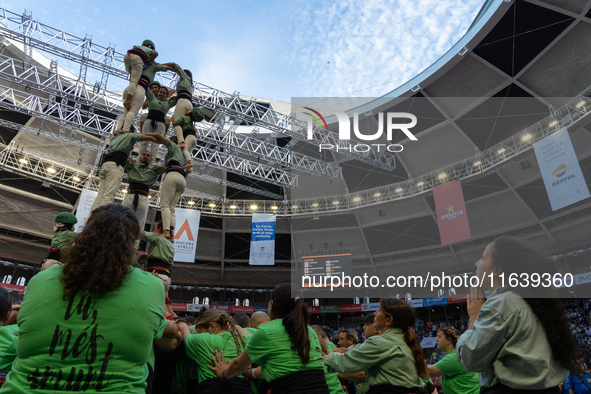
column 563, row 178
column 185, row 237
column 87, row 198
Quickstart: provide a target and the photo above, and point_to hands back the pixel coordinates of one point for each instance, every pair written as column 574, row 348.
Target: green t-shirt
column 8, row 336
column 270, row 347
column 86, row 343
column 455, row 378
column 123, row 142
column 185, row 122
column 159, row 247
column 146, row 50
column 200, row 347
column 331, row 345
column 151, row 69
column 185, row 82
column 155, row 104
column 174, row 153
column 251, row 330
column 60, row 239
column 137, row 174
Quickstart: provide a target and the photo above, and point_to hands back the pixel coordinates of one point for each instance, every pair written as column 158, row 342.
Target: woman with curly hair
column 216, row 331
column 88, row 344
column 454, row 378
column 394, row 359
column 516, row 341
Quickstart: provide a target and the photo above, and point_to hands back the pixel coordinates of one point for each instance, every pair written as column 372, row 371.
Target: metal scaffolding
column 60, row 43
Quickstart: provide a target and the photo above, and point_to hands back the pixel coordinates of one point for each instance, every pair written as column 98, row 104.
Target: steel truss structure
column 108, row 61
column 42, row 37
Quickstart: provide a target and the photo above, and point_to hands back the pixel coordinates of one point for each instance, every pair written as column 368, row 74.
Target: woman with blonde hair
column 215, row 332
column 454, row 377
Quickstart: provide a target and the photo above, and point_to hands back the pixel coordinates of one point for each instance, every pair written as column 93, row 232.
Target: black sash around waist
column 54, row 254
column 301, row 382
column 183, row 94
column 390, row 389
column 118, row 157
column 187, row 132
column 140, row 53
column 500, row 388
column 144, row 82
column 156, row 115
column 160, row 266
column 138, row 188
column 176, row 169
column 215, row 386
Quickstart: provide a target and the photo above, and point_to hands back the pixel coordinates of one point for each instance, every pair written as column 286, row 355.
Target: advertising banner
column 329, row 308
column 434, row 301
column 261, row 309
column 243, row 309
column 454, row 299
column 14, row 288
column 350, row 308
column 313, row 309
column 177, row 306
column 415, row 303
column 560, row 170
column 185, row 237
column 222, row 307
column 87, row 198
column 195, row 307
column 451, row 213
column 371, row 307
column 262, row 239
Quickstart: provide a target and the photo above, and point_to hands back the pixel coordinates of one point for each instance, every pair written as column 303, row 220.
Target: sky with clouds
column 274, row 49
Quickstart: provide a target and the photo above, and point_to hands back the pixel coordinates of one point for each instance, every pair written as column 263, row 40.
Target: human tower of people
column 92, row 321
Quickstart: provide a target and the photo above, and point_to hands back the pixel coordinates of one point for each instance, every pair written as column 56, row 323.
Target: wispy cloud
column 367, row 48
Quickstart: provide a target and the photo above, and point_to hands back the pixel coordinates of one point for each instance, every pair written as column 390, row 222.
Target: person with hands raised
column 517, row 342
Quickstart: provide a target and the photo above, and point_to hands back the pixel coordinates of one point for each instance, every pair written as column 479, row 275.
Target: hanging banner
column 222, row 307
column 329, row 308
column 415, row 303
column 350, row 308
column 434, row 301
column 185, row 237
column 371, row 307
column 560, row 170
column 428, row 342
column 262, row 239
column 451, row 213
column 85, row 202
column 261, row 309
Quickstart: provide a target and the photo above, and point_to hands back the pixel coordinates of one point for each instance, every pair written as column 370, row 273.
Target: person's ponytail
column 294, row 313
column 296, row 325
column 412, row 340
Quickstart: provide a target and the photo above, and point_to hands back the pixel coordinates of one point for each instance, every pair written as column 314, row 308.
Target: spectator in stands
column 578, row 381
column 82, row 301
column 242, row 320
column 394, row 359
column 454, row 378
column 514, row 339
column 286, row 348
column 259, row 318
column 216, row 332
